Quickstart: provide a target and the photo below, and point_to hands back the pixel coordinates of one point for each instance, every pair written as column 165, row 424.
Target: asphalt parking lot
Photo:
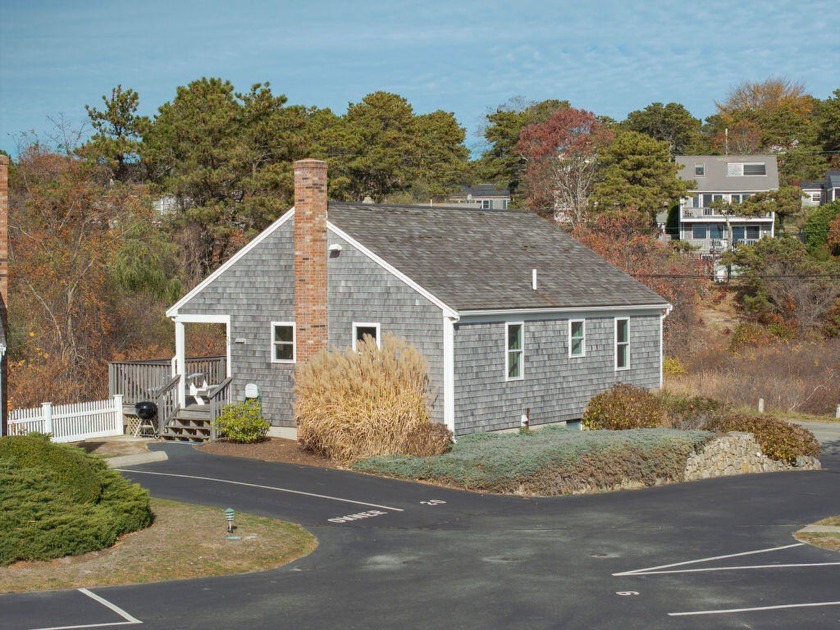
column 716, row 553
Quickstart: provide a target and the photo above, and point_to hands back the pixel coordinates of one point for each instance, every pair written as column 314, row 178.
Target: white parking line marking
column 650, row 570
column 746, row 568
column 738, row 610
column 254, row 485
column 129, row 620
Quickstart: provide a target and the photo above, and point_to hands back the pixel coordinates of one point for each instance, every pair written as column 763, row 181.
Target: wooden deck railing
column 219, row 397
column 167, row 402
column 142, row 380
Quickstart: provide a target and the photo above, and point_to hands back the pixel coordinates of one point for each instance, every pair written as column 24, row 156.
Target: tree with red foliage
column 627, row 239
column 562, row 162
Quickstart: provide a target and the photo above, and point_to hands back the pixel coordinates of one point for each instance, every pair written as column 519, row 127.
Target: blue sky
column 462, row 56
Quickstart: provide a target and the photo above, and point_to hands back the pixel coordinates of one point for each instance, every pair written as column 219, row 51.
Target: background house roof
column 482, row 259
column 482, row 190
column 716, row 178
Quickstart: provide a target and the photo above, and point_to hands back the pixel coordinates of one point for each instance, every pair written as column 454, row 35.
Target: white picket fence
column 70, row 423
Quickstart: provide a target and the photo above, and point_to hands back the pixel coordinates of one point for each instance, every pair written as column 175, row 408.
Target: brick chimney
column 310, row 257
column 4, row 289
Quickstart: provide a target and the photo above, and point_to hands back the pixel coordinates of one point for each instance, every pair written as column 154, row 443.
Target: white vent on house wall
column 534, row 279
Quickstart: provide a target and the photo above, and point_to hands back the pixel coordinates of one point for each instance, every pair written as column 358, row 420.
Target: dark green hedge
column 59, row 501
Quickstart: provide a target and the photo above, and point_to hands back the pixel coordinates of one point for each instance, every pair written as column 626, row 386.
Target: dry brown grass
column 351, row 405
column 162, row 552
column 791, row 377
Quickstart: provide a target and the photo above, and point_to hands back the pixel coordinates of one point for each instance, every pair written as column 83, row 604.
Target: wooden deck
column 154, row 380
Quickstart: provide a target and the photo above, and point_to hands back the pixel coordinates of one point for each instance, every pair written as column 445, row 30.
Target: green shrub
column 242, row 423
column 672, row 366
column 748, row 335
column 690, row 412
column 778, row 439
column 366, row 402
column 44, row 514
column 551, row 461
column 77, row 473
column 624, row 407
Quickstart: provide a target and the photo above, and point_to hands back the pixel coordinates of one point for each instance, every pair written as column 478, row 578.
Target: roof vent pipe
column 534, row 279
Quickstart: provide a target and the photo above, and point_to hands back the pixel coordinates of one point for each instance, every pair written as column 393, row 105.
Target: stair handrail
column 166, row 398
column 218, row 396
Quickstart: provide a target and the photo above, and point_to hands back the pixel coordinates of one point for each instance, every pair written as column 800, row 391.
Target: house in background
column 821, row 192
column 484, row 196
column 512, row 315
column 731, row 178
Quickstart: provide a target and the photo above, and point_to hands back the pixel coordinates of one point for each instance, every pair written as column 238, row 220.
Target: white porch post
column 181, row 361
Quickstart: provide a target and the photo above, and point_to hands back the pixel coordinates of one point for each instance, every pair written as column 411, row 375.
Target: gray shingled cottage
column 510, row 312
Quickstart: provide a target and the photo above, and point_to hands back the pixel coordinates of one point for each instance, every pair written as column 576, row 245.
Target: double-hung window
column 577, row 337
column 363, row 330
column 282, row 342
column 622, row 343
column 514, row 351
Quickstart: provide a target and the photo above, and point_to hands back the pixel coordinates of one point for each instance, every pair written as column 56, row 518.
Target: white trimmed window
column 282, row 342
column 514, row 351
column 700, row 169
column 577, row 337
column 366, row 329
column 740, row 169
column 622, row 343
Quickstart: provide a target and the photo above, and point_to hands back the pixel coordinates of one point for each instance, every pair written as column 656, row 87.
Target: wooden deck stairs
column 190, row 424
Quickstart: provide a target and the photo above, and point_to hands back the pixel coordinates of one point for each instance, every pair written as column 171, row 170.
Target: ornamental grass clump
column 779, row 440
column 59, row 501
column 352, row 404
column 624, row 407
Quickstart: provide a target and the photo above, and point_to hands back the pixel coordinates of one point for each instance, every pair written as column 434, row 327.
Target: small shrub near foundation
column 624, row 407
column 690, row 412
column 242, row 423
column 355, row 404
column 778, row 439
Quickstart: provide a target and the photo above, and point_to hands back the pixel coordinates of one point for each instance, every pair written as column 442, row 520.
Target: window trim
column 356, row 325
column 582, row 339
column 274, row 343
column 508, row 351
column 616, row 344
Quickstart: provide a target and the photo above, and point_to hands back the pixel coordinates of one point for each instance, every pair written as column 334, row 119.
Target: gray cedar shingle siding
column 359, row 290
column 257, row 290
column 556, row 387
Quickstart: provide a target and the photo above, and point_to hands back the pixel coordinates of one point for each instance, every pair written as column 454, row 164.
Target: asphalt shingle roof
column 482, row 259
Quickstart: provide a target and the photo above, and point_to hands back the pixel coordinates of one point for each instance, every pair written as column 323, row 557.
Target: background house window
column 577, row 338
column 700, row 169
column 715, row 230
column 282, row 342
column 366, row 329
column 622, row 344
column 486, row 204
column 755, row 169
column 698, row 232
column 514, row 350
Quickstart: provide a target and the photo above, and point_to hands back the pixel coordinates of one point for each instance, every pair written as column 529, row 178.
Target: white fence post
column 118, row 411
column 46, row 409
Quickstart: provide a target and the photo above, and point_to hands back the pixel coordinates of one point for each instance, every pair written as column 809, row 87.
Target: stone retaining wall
column 737, row 454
